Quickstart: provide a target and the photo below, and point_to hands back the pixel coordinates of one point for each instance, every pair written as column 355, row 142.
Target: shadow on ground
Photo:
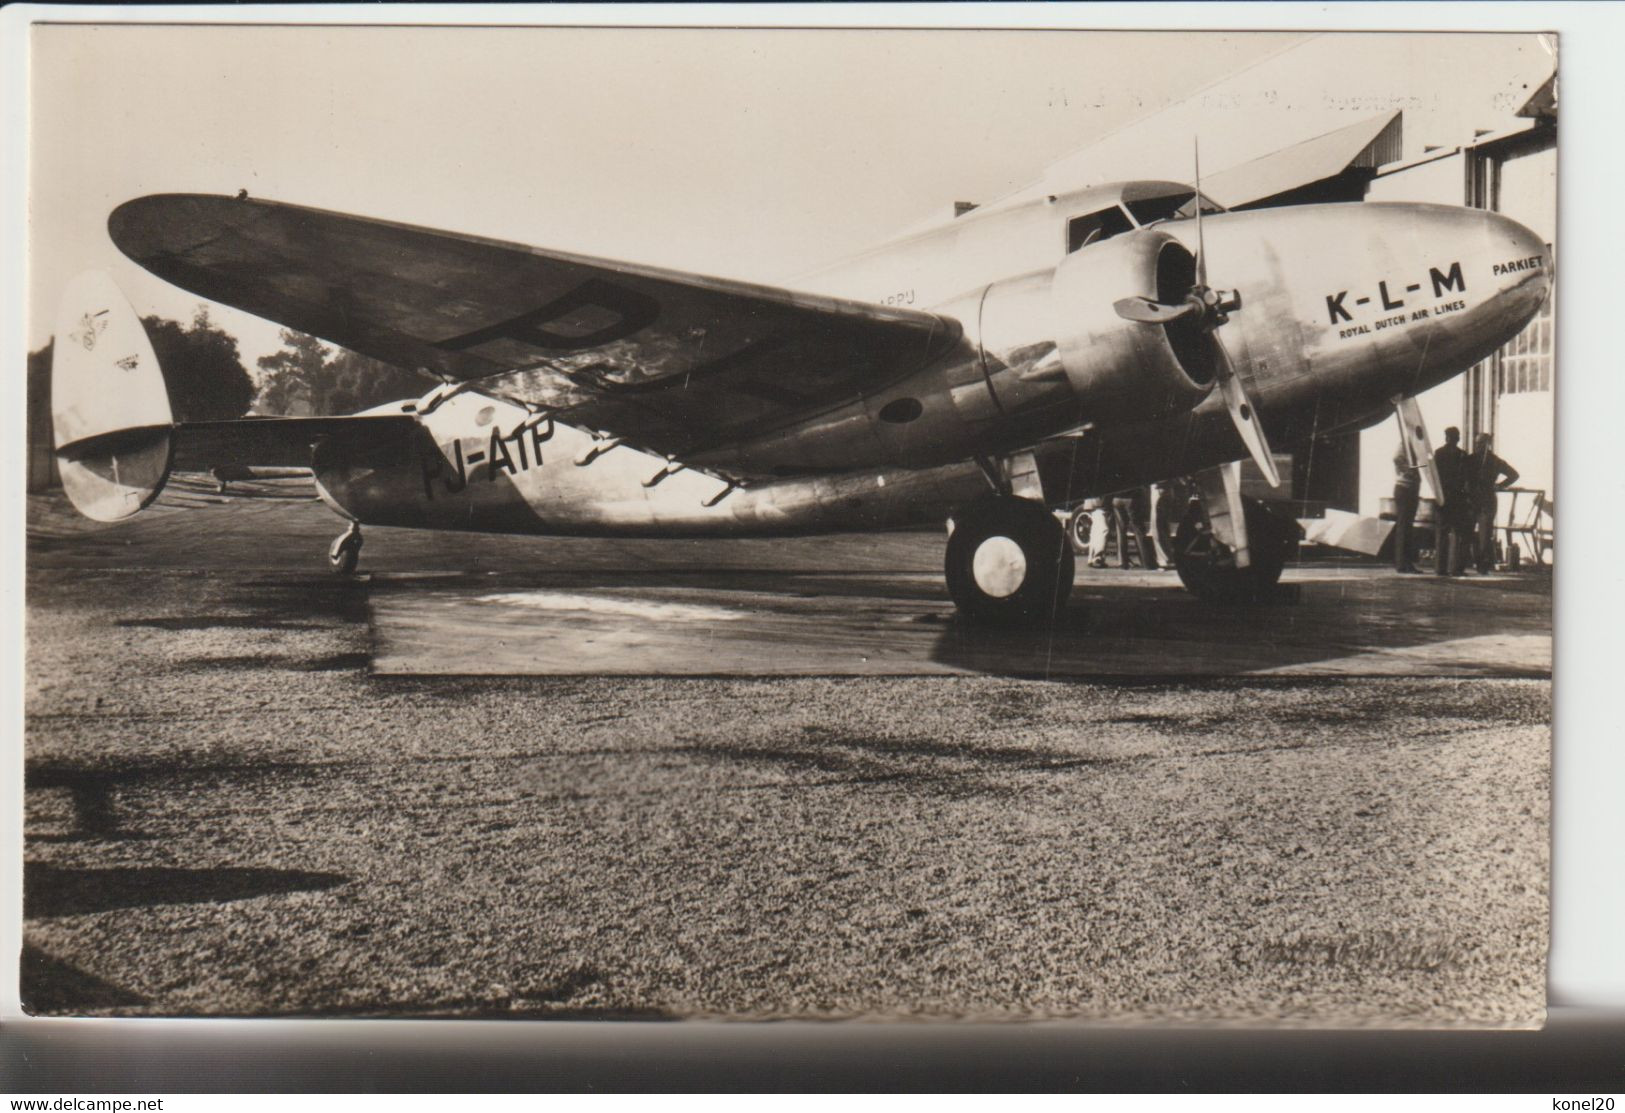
column 64, row 891
column 1350, row 621
column 50, row 986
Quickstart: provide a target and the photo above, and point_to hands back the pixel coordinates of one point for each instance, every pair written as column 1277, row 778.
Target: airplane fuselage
column 1342, row 308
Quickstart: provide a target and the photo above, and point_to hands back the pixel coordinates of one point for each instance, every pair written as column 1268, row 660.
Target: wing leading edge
column 676, row 363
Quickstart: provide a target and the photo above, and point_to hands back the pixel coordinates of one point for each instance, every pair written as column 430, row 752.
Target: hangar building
column 1459, row 119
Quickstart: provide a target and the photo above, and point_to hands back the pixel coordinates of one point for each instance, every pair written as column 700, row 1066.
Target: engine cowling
column 1040, row 354
column 1057, row 331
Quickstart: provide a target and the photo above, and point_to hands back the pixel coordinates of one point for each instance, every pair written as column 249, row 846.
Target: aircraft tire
column 1008, row 561
column 1078, row 527
column 1200, row 560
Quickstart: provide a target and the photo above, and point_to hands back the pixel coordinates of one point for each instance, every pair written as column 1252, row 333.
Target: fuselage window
column 1081, row 231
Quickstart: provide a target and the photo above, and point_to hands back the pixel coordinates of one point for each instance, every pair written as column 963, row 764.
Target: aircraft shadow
column 1372, row 623
column 1323, row 621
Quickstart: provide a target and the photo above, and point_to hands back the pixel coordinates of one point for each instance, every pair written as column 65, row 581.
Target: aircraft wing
column 672, row 362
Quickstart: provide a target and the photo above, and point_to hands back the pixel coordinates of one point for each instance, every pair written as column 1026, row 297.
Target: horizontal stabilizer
column 375, row 440
column 116, row 440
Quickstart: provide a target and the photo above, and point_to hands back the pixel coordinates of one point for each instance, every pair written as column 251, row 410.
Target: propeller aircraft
column 1013, row 360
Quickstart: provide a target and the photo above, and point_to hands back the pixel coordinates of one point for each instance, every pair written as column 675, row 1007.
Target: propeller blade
column 1201, row 244
column 1245, row 416
column 1148, row 312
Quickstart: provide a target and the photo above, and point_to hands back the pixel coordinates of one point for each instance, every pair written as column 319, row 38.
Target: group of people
column 1464, row 519
column 1464, row 522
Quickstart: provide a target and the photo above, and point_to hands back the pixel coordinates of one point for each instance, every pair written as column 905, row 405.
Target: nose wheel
column 1008, row 561
column 345, row 552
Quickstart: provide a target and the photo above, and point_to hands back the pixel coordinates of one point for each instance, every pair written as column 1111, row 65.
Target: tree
column 41, row 461
column 203, row 370
column 39, row 385
column 361, row 382
column 308, row 377
column 292, row 381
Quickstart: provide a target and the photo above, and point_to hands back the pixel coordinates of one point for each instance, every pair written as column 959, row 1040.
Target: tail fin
column 109, row 408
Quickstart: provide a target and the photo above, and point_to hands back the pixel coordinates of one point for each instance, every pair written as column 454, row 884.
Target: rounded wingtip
column 168, row 223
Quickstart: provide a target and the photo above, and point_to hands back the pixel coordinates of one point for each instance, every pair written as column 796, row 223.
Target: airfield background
column 1476, row 124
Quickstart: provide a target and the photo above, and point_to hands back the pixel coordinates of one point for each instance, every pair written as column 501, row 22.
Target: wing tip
column 171, row 223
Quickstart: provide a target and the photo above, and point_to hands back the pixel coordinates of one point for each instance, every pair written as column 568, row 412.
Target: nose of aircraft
column 1520, row 279
column 1520, row 264
column 1487, row 275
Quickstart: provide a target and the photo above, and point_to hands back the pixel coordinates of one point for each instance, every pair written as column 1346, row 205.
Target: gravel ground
column 227, row 815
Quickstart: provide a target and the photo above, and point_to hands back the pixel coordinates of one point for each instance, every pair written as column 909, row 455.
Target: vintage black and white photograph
column 703, row 523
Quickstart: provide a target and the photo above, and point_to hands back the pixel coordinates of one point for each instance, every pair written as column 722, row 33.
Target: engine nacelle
column 1054, row 337
column 1039, row 355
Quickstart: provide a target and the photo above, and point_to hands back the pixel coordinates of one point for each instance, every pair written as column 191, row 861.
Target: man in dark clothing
column 1407, row 493
column 1452, row 519
column 1487, row 474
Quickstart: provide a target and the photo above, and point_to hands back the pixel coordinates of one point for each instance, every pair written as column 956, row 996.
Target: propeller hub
column 1216, row 305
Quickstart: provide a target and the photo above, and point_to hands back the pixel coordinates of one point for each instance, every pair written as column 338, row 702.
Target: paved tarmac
column 238, row 803
column 1331, row 621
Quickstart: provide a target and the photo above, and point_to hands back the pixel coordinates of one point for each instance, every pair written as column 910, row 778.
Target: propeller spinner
column 1210, row 308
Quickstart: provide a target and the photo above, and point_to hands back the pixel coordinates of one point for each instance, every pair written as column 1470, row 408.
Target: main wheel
column 1207, row 567
column 1008, row 561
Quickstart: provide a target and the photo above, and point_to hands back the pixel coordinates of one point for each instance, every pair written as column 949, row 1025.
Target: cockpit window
column 1175, row 206
column 1081, row 231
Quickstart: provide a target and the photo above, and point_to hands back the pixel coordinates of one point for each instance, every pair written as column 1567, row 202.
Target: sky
column 749, row 154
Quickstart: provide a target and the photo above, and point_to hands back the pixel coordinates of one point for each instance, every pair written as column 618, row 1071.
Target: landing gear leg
column 1231, row 549
column 1008, row 561
column 1418, row 446
column 345, row 551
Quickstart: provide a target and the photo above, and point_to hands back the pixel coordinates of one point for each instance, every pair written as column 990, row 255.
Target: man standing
column 1099, row 531
column 1127, row 511
column 1407, row 494
column 1453, row 517
column 1487, row 475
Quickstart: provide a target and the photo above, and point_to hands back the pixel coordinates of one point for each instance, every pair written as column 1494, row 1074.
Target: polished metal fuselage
column 1343, row 308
